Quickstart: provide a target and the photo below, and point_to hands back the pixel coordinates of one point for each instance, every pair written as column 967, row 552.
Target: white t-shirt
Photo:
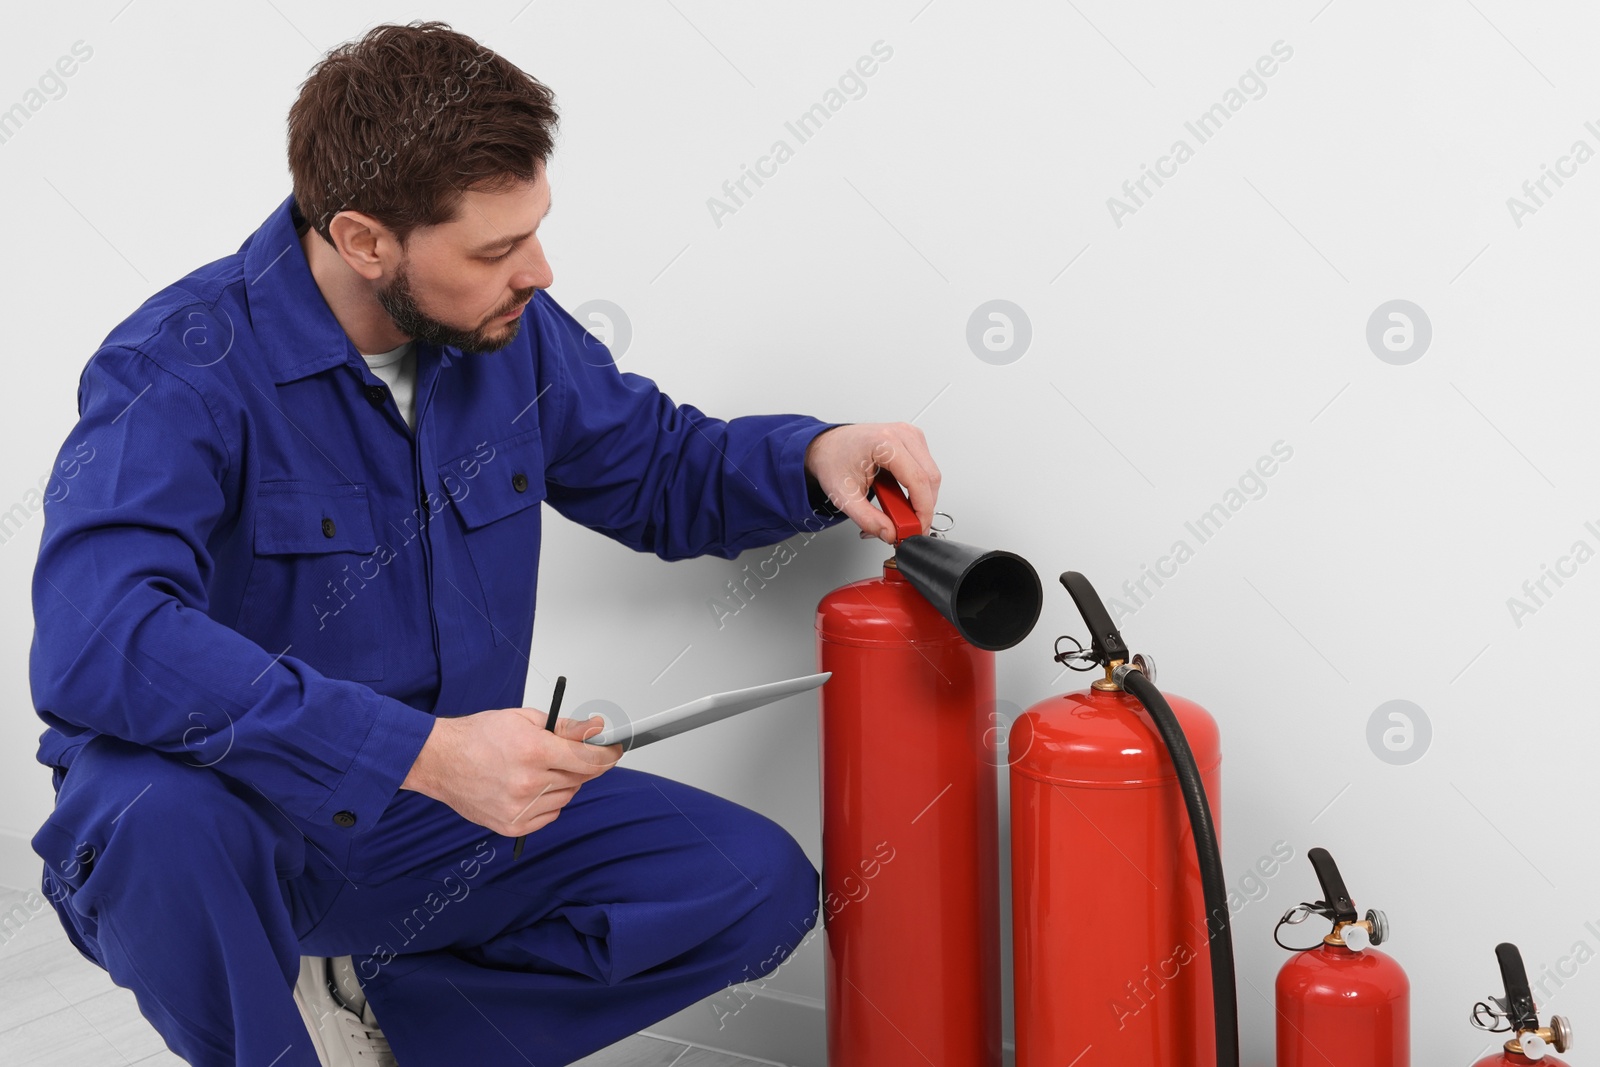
column 398, row 369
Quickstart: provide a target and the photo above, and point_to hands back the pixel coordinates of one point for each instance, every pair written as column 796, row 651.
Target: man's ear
column 361, row 242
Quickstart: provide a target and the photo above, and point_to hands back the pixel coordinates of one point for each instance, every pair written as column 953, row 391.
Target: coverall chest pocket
column 495, row 490
column 310, row 594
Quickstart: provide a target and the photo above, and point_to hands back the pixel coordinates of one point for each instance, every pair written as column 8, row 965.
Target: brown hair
column 401, row 122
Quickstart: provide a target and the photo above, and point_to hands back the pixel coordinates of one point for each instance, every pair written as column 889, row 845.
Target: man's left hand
column 845, row 459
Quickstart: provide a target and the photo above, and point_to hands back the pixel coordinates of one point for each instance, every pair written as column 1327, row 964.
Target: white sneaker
column 343, row 1029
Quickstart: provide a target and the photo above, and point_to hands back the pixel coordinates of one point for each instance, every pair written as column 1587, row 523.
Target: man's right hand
column 503, row 770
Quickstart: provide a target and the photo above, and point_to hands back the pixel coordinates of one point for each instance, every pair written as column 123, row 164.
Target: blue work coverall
column 257, row 587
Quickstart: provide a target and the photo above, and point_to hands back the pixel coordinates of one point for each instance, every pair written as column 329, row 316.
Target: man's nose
column 535, row 273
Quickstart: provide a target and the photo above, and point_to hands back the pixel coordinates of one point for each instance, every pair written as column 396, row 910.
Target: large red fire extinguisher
column 1518, row 1015
column 1341, row 1003
column 1121, row 947
column 910, row 849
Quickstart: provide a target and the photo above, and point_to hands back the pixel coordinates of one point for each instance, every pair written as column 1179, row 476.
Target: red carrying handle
column 895, row 505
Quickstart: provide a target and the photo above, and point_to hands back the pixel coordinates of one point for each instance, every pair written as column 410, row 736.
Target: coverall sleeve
column 623, row 459
column 122, row 641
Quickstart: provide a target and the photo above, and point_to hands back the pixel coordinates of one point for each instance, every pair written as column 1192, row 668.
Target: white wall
column 1228, row 312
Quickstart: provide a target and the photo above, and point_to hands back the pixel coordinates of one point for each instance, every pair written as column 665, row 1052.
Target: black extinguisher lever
column 1519, row 997
column 1107, row 641
column 1334, row 894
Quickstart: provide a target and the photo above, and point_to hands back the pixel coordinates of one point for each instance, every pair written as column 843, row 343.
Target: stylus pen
column 550, row 724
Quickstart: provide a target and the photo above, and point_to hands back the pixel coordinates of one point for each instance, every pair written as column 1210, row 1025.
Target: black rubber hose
column 1224, row 997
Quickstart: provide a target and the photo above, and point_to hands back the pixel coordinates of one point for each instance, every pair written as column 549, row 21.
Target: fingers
column 913, row 467
column 903, row 452
column 551, row 797
column 846, row 475
column 601, row 757
column 576, row 756
column 529, row 773
column 848, row 458
column 578, row 729
column 848, row 492
column 571, row 763
column 604, row 755
column 540, row 813
column 873, row 522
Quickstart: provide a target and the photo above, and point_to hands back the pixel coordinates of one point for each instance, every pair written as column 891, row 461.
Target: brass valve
column 1535, row 1043
column 1360, row 934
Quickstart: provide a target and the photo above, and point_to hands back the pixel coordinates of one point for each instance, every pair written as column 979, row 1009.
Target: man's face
column 464, row 283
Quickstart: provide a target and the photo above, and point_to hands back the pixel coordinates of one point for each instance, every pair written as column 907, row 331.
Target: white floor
column 59, row 1010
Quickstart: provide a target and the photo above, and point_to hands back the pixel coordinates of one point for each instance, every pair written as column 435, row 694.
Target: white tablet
column 699, row 712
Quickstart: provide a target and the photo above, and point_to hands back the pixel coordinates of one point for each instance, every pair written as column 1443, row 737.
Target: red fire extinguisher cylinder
column 1342, row 1003
column 910, row 835
column 1120, row 937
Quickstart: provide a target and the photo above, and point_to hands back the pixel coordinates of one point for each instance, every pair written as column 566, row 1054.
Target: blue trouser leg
column 644, row 896
column 170, row 876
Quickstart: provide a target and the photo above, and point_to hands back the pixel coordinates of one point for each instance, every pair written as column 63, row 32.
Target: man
column 284, row 600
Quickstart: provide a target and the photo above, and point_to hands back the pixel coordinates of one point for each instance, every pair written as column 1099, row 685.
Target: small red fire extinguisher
column 1518, row 1015
column 1341, row 1003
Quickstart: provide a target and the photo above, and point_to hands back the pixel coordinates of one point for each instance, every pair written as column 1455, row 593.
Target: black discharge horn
column 992, row 597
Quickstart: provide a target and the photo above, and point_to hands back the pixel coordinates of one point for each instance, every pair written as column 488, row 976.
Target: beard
column 400, row 302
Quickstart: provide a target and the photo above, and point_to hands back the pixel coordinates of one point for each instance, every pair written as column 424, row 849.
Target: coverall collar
column 285, row 303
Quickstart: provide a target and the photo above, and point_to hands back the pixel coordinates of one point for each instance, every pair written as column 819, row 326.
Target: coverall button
column 345, row 818
column 377, row 394
column 327, row 527
column 519, row 481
